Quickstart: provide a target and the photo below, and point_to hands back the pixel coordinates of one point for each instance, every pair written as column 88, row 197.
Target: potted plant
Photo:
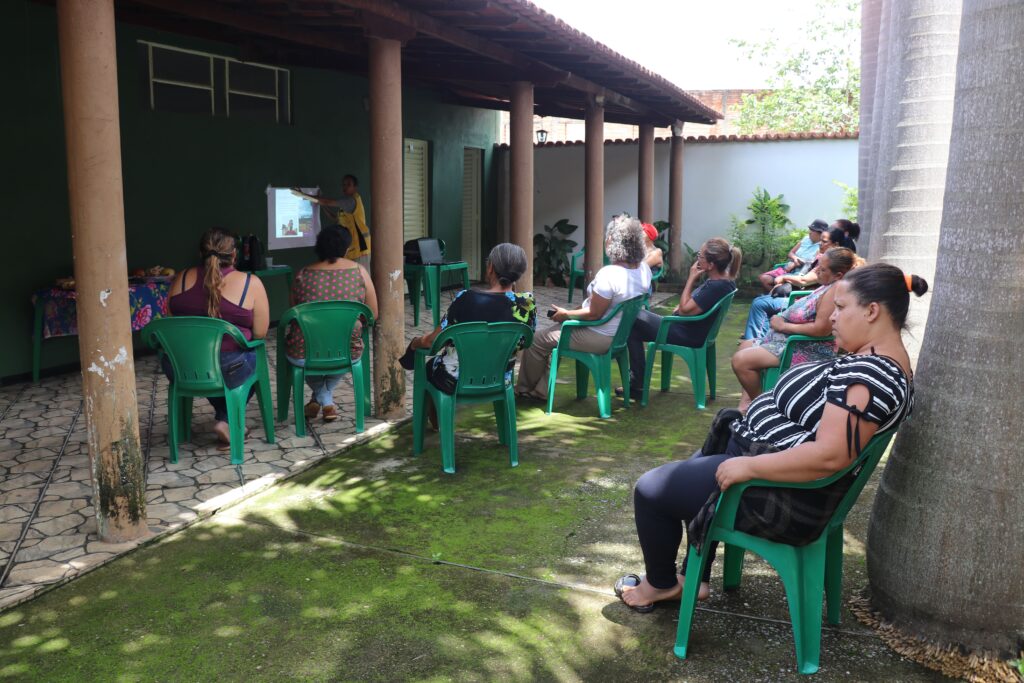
column 551, row 251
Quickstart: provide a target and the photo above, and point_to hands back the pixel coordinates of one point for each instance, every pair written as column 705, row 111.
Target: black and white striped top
column 790, row 414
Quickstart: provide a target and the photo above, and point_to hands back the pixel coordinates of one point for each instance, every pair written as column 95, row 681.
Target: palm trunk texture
column 870, row 16
column 881, row 105
column 946, row 539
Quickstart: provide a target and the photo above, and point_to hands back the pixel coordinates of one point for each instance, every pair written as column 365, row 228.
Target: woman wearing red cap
column 655, row 257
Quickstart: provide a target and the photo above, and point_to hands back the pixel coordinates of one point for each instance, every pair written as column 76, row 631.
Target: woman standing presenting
column 351, row 217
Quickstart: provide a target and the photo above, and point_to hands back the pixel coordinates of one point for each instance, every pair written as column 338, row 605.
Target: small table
column 56, row 312
column 430, row 276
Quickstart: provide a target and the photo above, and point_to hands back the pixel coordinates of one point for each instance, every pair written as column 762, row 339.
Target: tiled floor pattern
column 47, row 528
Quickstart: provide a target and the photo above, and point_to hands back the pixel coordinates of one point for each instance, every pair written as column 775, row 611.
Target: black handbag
column 252, row 256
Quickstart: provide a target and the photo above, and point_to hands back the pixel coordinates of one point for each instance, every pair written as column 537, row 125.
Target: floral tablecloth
column 148, row 301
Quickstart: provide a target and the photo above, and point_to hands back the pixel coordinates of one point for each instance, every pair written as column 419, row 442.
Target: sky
column 687, row 41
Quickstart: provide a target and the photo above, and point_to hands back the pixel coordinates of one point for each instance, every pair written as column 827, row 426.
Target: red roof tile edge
column 765, row 137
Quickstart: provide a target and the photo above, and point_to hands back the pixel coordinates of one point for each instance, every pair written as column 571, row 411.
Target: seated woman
column 851, row 233
column 215, row 289
column 807, row 316
column 333, row 278
column 765, row 306
column 498, row 303
column 626, row 277
column 799, row 257
column 655, row 257
column 814, row 418
column 720, row 262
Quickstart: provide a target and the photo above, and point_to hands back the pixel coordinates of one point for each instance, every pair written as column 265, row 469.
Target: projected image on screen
column 293, row 220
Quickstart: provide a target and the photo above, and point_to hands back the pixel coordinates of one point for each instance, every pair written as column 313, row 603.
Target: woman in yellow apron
column 351, row 217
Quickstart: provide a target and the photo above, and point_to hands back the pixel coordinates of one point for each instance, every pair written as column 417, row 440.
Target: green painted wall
column 184, row 173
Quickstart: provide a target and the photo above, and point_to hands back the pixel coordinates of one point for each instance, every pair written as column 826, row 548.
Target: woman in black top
column 720, row 262
column 498, row 303
column 817, row 417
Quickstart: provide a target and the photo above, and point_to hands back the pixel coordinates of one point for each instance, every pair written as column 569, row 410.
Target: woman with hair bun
column 216, row 290
column 813, row 424
column 498, row 303
column 719, row 261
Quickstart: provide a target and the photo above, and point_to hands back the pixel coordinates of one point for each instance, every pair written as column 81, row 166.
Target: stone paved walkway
column 47, row 528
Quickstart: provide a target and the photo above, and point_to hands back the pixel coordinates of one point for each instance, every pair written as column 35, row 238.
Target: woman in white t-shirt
column 626, row 277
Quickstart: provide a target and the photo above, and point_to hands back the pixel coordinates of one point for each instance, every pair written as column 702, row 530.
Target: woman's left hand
column 777, row 323
column 733, row 471
column 561, row 314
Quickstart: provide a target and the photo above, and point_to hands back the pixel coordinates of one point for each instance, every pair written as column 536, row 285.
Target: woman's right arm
column 821, row 326
column 371, row 293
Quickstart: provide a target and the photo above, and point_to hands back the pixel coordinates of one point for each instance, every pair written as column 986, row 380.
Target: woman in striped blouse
column 813, row 422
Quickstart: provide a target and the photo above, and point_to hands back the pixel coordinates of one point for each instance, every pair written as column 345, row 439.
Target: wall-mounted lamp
column 542, row 136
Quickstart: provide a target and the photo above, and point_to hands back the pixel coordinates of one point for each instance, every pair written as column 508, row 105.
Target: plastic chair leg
column 501, row 421
column 711, row 360
column 804, row 578
column 572, row 285
column 236, row 422
column 284, row 388
column 698, row 378
column 298, row 393
column 732, row 573
column 834, row 576
column 359, row 390
column 582, row 380
column 266, row 405
column 419, row 415
column 651, row 355
column 688, row 602
column 414, row 297
column 603, row 385
column 511, row 434
column 552, row 376
column 365, row 362
column 173, row 426
column 623, row 362
column 446, row 423
column 185, row 418
column 666, row 370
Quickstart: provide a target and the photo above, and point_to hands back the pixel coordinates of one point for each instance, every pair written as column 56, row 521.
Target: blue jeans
column 761, row 311
column 236, row 366
column 322, row 385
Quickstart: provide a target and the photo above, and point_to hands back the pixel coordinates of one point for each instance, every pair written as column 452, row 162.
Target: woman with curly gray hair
column 627, row 276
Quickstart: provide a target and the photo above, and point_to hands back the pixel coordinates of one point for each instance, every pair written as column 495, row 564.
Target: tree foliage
column 815, row 85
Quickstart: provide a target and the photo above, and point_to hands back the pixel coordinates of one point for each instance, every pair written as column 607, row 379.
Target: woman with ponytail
column 498, row 303
column 216, row 290
column 814, row 423
column 719, row 262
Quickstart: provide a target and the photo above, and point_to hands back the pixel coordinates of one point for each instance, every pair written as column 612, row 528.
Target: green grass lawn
column 378, row 566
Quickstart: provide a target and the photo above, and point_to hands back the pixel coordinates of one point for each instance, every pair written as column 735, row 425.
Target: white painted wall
column 718, row 180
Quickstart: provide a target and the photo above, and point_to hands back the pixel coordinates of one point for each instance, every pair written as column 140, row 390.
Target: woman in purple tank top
column 216, row 290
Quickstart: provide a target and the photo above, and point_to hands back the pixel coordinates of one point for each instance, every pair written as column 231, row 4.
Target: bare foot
column 223, row 432
column 646, row 594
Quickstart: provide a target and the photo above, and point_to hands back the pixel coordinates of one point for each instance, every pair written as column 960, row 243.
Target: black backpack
column 252, row 255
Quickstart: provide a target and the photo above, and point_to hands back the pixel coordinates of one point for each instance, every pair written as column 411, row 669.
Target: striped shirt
column 790, row 414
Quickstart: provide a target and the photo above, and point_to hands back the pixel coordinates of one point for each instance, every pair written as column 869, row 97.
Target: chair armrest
column 806, row 338
column 669, row 320
column 729, row 501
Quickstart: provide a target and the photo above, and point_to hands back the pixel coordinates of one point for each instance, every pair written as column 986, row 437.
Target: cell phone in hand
column 551, row 313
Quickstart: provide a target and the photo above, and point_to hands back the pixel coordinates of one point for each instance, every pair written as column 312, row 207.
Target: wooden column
column 88, row 65
column 675, row 199
column 385, row 67
column 594, row 218
column 521, row 175
column 645, row 174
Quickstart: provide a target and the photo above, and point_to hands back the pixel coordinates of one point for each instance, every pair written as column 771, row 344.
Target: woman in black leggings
column 812, row 419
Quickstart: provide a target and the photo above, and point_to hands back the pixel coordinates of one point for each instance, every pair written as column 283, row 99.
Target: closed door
column 472, row 169
column 415, row 192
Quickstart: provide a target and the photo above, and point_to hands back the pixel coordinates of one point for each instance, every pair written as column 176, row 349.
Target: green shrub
column 766, row 236
column 551, row 251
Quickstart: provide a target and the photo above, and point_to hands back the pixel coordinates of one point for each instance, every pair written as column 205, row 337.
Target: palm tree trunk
column 946, row 539
column 870, row 18
column 909, row 207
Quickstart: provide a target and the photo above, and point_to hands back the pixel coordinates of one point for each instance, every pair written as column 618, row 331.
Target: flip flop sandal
column 225, row 447
column 631, row 581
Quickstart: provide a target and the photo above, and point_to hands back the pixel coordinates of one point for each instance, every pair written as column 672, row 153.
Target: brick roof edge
column 763, row 137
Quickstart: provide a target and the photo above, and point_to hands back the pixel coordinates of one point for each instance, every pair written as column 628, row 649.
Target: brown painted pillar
column 675, row 199
column 594, row 186
column 386, row 209
column 645, row 174
column 521, row 175
column 88, row 65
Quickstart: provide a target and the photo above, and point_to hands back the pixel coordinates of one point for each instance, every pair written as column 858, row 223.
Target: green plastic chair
column 806, row 571
column 598, row 364
column 327, row 329
column 484, row 350
column 192, row 344
column 655, row 276
column 770, row 376
column 702, row 361
column 575, row 272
